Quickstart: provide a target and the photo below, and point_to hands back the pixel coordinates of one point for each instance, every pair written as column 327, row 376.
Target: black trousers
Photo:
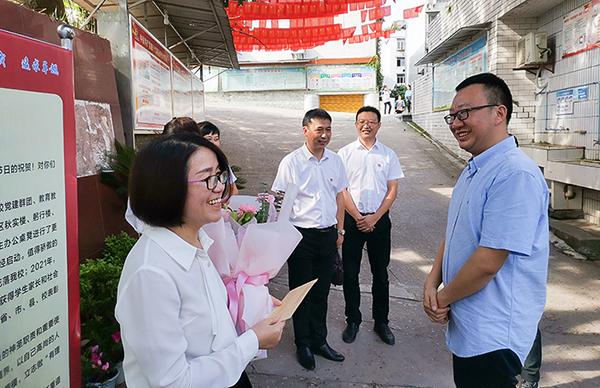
column 312, row 258
column 387, row 108
column 379, row 248
column 533, row 362
column 497, row 369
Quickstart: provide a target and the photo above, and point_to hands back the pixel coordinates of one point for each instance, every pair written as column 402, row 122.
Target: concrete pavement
column 256, row 138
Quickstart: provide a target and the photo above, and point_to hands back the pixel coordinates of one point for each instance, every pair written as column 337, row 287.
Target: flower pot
column 110, row 383
column 121, row 376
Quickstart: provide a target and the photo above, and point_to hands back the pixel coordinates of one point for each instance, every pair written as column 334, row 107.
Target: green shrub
column 117, row 247
column 98, row 283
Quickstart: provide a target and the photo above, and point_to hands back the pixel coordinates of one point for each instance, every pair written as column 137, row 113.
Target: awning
column 451, row 43
column 196, row 32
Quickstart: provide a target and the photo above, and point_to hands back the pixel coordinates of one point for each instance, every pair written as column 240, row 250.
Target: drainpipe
column 597, row 141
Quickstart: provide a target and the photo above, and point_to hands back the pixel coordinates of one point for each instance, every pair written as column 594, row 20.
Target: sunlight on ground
column 409, row 256
column 445, row 191
column 571, row 353
column 558, row 294
column 592, row 327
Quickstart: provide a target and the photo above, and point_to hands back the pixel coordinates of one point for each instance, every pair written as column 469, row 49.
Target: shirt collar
column 178, row 249
column 360, row 145
column 308, row 155
column 503, row 146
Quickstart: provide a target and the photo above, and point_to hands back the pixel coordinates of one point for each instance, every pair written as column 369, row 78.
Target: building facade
column 335, row 76
column 393, row 59
column 548, row 52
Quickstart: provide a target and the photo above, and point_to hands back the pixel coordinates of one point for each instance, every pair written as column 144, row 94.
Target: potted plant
column 97, row 369
column 98, row 282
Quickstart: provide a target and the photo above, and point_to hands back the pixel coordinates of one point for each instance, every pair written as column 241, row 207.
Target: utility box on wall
column 532, row 49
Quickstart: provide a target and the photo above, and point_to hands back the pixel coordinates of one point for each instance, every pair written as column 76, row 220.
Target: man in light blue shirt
column 493, row 261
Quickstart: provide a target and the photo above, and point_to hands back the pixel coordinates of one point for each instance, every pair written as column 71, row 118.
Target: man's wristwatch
column 341, row 232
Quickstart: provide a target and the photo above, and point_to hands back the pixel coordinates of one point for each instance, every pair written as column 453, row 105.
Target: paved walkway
column 256, row 138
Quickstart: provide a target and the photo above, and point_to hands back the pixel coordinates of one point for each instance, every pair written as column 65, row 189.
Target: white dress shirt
column 318, row 181
column 369, row 172
column 175, row 326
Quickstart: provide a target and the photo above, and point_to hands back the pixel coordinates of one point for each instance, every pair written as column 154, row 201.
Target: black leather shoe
column 305, row 357
column 327, row 352
column 349, row 334
column 384, row 332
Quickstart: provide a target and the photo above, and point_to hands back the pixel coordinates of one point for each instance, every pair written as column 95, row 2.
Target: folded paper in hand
column 292, row 300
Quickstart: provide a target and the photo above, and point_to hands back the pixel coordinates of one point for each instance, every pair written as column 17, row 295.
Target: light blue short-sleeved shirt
column 500, row 201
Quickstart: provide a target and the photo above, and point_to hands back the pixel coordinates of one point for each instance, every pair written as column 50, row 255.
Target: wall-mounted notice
column 162, row 86
column 182, row 89
column 264, row 78
column 95, row 136
column 39, row 304
column 581, row 29
column 151, row 78
column 341, row 78
column 198, row 99
column 452, row 71
column 567, row 97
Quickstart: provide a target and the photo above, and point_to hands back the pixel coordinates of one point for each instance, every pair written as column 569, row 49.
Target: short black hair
column 496, row 89
column 180, row 124
column 208, row 128
column 158, row 181
column 316, row 113
column 369, row 109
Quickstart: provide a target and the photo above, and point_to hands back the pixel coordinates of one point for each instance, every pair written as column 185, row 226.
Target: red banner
column 413, row 12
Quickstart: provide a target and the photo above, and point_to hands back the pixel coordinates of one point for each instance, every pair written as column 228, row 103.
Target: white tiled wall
column 591, row 206
column 582, row 127
column 535, row 106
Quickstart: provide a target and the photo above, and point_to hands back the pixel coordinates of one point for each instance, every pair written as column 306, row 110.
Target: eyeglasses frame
column 466, row 111
column 219, row 178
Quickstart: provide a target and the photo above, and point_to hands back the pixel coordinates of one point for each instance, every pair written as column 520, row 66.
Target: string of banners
column 273, row 25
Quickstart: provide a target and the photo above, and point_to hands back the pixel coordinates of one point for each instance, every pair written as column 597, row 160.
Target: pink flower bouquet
column 247, row 256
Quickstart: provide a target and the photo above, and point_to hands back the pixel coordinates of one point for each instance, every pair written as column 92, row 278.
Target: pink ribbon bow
column 235, row 295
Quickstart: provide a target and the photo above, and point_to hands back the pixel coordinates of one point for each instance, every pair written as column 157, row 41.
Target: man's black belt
column 322, row 230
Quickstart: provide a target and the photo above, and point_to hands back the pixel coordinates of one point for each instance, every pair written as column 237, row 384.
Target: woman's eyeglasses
column 212, row 181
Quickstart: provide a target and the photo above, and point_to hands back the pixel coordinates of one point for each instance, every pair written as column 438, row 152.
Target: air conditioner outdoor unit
column 532, row 49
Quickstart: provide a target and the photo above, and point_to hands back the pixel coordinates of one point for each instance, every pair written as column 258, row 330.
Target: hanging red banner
column 412, row 12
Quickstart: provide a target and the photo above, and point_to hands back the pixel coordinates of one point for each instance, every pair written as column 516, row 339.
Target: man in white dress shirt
column 318, row 213
column 373, row 171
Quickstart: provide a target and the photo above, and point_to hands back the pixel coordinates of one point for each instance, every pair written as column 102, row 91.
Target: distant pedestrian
column 387, row 100
column 373, row 171
column 408, row 93
column 493, row 261
column 318, row 213
column 400, row 105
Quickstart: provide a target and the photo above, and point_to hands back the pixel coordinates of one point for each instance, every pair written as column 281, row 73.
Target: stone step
column 579, row 234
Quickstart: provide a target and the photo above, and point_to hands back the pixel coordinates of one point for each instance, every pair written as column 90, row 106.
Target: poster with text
column 341, row 78
column 581, row 29
column 198, row 99
column 39, row 294
column 268, row 78
column 151, row 78
column 182, row 90
column 454, row 69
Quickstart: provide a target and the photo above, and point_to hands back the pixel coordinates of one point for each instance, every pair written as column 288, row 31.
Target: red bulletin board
column 39, row 293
